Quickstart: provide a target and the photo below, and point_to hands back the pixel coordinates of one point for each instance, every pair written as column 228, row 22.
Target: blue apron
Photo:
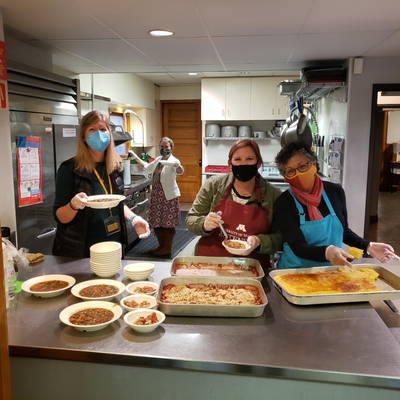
column 322, row 232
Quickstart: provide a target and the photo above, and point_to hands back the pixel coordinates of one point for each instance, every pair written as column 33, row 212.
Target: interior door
column 182, row 123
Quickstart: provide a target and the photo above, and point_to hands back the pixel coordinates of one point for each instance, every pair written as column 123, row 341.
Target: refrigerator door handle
column 47, row 233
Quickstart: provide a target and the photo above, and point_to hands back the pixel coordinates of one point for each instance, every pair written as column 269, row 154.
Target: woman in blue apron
column 312, row 216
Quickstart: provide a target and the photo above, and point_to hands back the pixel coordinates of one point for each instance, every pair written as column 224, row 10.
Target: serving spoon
column 223, row 230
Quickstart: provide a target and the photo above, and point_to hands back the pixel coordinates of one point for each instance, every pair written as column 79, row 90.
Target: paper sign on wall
column 29, row 170
column 69, row 132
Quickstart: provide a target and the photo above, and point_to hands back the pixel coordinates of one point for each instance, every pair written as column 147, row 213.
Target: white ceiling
column 212, row 37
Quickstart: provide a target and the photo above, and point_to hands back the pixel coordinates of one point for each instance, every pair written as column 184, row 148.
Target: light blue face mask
column 98, row 141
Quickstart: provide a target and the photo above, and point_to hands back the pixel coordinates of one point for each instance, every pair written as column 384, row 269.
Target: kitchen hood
column 119, row 135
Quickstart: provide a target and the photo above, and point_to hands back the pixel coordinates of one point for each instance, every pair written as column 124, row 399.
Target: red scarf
column 311, row 200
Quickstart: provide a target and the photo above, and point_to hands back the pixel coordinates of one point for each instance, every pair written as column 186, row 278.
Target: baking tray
column 388, row 282
column 211, row 310
column 244, row 263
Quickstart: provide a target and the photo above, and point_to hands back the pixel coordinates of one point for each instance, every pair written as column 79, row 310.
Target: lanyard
column 102, row 182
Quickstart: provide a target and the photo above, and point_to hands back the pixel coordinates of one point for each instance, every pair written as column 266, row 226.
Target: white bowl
column 26, row 286
column 109, row 200
column 132, row 316
column 67, row 312
column 237, row 252
column 139, row 271
column 106, row 247
column 136, row 285
column 77, row 288
column 139, row 298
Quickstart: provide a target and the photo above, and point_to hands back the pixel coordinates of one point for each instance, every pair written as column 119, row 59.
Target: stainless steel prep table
column 336, row 344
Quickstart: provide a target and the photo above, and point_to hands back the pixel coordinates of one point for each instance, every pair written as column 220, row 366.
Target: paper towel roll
column 127, row 173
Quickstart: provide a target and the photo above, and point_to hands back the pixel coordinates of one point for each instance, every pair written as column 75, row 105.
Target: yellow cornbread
column 329, row 282
column 356, row 253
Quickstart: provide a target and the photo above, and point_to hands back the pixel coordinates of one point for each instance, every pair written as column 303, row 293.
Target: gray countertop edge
column 384, row 382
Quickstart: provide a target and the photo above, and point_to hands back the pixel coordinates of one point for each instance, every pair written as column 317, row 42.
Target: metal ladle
column 223, row 230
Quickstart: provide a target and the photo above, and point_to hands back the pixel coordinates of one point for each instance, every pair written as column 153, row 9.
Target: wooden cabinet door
column 263, row 98
column 213, row 99
column 237, row 101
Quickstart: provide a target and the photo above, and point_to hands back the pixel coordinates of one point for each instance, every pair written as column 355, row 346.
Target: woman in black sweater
column 312, row 215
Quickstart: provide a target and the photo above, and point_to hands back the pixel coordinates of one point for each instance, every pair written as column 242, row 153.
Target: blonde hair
column 83, row 158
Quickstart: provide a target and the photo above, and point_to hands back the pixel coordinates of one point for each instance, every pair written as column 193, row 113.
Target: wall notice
column 29, row 170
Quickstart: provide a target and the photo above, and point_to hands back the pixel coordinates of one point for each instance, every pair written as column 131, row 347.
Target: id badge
column 112, row 225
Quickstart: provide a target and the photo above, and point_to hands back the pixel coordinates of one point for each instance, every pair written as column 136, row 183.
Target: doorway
column 376, row 228
column 181, row 121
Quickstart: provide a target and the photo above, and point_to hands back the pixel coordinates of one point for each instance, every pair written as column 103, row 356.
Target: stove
column 271, row 173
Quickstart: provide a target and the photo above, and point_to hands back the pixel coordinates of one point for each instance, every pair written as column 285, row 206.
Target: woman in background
column 164, row 213
column 96, row 169
column 243, row 202
column 312, row 215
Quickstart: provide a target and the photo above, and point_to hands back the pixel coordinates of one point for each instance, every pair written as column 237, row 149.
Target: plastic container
column 5, row 264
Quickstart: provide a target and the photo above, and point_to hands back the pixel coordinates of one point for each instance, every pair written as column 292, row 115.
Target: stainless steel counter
column 345, row 343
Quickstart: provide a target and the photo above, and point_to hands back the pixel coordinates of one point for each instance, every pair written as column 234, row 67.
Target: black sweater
column 287, row 218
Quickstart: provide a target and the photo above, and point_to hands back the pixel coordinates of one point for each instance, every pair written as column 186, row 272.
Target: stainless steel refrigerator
column 43, row 105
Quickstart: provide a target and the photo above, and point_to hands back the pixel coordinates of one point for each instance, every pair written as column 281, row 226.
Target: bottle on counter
column 9, row 272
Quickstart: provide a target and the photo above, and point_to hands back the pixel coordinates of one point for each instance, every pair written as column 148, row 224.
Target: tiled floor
column 386, row 230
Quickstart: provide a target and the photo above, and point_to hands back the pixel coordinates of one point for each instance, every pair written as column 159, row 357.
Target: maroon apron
column 240, row 222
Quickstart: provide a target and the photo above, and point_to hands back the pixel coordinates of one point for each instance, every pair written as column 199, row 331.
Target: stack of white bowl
column 105, row 258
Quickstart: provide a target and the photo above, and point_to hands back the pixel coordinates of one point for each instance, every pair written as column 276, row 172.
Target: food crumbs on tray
column 329, row 282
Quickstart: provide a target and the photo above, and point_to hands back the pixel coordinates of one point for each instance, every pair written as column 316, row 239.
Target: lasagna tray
column 198, row 266
column 385, row 287
column 212, row 310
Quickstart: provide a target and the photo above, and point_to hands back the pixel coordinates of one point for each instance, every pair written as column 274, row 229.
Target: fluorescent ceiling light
column 193, row 73
column 160, row 32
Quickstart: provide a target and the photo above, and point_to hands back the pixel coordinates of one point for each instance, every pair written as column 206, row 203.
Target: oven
column 271, row 173
column 138, row 200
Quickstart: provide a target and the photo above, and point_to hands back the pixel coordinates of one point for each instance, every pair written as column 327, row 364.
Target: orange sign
column 3, row 95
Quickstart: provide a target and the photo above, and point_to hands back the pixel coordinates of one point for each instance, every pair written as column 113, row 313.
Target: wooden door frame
column 5, row 376
column 190, row 101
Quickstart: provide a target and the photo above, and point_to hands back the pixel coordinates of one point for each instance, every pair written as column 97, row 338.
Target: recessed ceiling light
column 161, row 32
column 193, row 73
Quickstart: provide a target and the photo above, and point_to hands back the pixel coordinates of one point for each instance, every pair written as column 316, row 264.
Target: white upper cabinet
column 213, row 99
column 263, row 98
column 225, row 99
column 239, row 99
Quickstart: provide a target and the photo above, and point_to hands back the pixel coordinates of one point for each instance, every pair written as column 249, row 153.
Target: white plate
column 77, row 288
column 113, row 200
column 132, row 316
column 27, row 284
column 166, row 162
column 237, row 252
column 139, row 298
column 67, row 312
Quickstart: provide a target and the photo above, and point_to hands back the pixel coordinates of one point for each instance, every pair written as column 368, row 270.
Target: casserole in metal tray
column 245, row 267
column 211, row 310
column 387, row 282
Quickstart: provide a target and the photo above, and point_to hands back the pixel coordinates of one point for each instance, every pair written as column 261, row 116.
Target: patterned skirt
column 163, row 213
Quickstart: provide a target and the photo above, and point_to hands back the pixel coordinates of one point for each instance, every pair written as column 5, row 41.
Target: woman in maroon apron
column 242, row 202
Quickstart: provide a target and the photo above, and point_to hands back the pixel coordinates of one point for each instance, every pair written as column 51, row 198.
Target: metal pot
column 229, row 131
column 213, row 130
column 245, row 131
column 260, row 134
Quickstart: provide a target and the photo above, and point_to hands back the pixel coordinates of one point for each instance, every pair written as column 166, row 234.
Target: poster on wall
column 29, row 171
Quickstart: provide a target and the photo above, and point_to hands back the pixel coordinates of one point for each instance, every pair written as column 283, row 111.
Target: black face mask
column 165, row 152
column 244, row 172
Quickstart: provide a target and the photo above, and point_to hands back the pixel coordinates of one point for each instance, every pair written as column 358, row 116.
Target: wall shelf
column 230, row 139
column 315, row 91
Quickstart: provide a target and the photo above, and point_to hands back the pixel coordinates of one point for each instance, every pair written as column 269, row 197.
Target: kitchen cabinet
column 225, row 99
column 240, row 99
column 266, row 101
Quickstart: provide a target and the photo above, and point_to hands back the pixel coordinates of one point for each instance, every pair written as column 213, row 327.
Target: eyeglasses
column 303, row 167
